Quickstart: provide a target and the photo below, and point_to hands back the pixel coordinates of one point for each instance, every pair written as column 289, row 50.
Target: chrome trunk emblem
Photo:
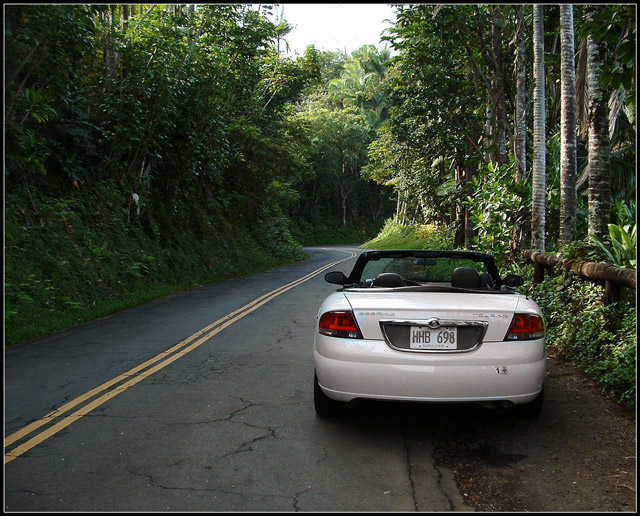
column 433, row 323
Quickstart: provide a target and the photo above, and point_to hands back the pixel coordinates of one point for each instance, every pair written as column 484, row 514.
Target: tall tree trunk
column 402, row 206
column 599, row 143
column 499, row 89
column 469, row 233
column 467, row 172
column 489, row 129
column 125, row 17
column 461, row 213
column 521, row 110
column 520, row 126
column 110, row 54
column 342, row 195
column 538, row 217
column 568, row 127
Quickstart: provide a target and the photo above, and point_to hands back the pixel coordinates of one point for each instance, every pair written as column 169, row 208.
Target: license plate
column 423, row 337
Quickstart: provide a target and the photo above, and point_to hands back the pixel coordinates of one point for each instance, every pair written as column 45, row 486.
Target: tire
column 325, row 406
column 531, row 409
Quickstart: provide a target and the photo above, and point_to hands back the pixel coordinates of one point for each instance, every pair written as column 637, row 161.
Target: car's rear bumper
column 496, row 371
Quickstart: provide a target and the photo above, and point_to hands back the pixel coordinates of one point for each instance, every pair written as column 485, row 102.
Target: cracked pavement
column 229, row 426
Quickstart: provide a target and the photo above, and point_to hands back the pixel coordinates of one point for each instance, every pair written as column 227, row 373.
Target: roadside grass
column 36, row 323
column 87, row 259
column 51, row 301
column 410, row 236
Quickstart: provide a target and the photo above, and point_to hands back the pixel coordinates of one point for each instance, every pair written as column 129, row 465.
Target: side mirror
column 336, row 277
column 513, row 280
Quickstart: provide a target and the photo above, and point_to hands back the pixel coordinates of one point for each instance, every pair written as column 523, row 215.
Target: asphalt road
column 203, row 401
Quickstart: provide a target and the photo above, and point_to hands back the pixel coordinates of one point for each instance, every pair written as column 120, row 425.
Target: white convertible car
column 428, row 326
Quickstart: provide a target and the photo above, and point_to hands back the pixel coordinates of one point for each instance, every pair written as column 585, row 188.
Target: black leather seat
column 389, row 280
column 465, row 277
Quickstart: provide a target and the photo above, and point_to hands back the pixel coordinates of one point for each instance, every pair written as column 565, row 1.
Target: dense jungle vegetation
column 151, row 148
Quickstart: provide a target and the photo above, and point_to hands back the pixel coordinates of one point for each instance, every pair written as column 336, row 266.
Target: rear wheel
column 324, row 405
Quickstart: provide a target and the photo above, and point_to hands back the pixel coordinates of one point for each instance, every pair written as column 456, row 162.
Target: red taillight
column 526, row 327
column 339, row 324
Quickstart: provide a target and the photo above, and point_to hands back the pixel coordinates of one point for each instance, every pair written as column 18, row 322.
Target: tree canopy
column 170, row 137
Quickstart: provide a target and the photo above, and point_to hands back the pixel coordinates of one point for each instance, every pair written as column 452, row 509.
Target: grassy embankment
column 410, row 236
column 86, row 257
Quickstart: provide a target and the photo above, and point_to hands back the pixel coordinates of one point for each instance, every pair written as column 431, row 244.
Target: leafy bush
column 275, row 237
column 603, row 345
column 498, row 209
column 620, row 247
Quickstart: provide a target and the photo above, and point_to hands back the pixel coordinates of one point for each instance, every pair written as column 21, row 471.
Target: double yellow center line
column 121, row 383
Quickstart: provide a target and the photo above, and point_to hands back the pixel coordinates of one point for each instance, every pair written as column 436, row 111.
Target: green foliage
column 614, row 26
column 441, row 93
column 327, row 231
column 603, row 344
column 88, row 260
column 44, row 62
column 156, row 147
column 620, row 247
column 499, row 210
column 360, row 84
column 410, row 236
column 337, row 146
column 435, row 101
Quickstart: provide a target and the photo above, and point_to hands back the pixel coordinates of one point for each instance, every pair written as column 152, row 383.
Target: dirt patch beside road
column 578, row 455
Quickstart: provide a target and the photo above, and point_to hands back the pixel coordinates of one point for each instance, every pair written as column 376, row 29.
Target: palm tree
column 568, row 128
column 498, row 87
column 359, row 83
column 351, row 86
column 520, row 125
column 599, row 143
column 539, row 140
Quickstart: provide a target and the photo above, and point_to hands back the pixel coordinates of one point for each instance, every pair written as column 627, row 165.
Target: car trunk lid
column 493, row 311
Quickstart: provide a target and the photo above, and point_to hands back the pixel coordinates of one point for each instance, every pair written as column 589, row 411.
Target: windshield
column 439, row 269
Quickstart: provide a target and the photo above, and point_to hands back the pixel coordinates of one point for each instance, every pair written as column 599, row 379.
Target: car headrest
column 389, row 280
column 486, row 281
column 465, row 277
